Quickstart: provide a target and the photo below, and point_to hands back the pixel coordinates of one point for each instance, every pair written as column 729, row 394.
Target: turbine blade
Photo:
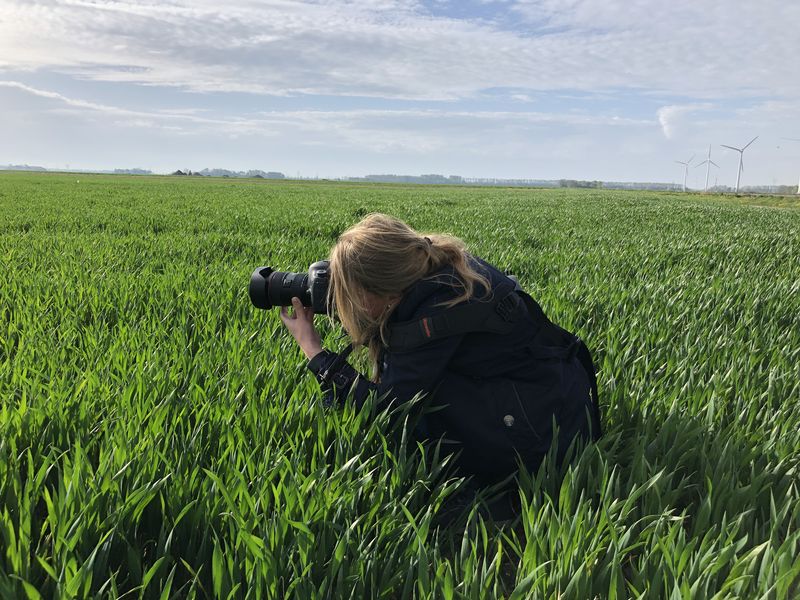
column 731, row 147
column 690, row 160
column 750, row 142
column 713, row 163
column 700, row 164
column 791, row 139
column 680, row 163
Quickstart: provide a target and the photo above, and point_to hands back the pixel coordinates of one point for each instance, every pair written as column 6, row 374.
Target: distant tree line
column 22, row 168
column 256, row 173
column 436, row 179
column 433, row 178
column 132, row 172
column 577, row 183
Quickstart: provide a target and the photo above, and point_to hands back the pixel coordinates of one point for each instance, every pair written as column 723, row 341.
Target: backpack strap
column 581, row 352
column 495, row 316
column 585, row 358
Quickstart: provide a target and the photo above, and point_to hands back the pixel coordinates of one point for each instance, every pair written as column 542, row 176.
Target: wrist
column 312, row 350
column 320, row 363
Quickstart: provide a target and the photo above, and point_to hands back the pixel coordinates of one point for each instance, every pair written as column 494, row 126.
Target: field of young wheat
column 161, row 437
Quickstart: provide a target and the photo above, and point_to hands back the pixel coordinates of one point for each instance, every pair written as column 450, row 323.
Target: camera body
column 269, row 288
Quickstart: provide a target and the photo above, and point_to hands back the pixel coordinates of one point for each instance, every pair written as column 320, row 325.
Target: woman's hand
column 301, row 325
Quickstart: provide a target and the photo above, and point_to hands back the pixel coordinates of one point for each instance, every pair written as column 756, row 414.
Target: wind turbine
column 794, row 140
column 708, row 162
column 741, row 155
column 686, row 170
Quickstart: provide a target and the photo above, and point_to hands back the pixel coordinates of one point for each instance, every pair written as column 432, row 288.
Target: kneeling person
column 437, row 320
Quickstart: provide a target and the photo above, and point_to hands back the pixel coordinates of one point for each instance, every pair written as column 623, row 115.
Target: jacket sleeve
column 337, row 379
column 405, row 375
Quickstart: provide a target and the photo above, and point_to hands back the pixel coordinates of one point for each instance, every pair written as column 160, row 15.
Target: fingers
column 301, row 311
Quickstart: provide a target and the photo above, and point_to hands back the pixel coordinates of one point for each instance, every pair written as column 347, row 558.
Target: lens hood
column 258, row 287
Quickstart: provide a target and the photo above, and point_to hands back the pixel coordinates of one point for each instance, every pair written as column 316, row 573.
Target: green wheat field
column 161, row 438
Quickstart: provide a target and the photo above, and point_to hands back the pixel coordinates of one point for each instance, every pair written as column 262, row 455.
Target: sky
column 614, row 90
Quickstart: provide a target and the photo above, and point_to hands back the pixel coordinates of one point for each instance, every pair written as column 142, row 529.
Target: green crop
column 160, row 437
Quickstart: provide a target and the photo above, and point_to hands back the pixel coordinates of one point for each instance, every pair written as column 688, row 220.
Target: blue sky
column 583, row 89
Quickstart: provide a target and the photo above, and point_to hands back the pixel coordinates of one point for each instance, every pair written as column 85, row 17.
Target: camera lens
column 283, row 286
column 270, row 288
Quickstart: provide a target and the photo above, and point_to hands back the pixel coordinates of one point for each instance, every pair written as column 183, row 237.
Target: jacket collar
column 431, row 290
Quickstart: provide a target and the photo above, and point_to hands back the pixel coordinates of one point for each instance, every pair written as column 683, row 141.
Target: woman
column 430, row 316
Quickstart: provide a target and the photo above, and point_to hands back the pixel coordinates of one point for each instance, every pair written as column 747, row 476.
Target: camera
column 269, row 288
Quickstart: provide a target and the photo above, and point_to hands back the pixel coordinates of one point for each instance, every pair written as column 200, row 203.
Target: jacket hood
column 421, row 298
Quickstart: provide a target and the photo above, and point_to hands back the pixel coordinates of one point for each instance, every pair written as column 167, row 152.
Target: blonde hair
column 384, row 256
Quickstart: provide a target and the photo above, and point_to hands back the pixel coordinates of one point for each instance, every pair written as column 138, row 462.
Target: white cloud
column 674, row 118
column 342, row 120
column 60, row 97
column 124, row 116
column 392, row 48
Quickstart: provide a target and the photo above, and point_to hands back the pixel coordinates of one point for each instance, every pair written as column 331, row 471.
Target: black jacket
column 500, row 393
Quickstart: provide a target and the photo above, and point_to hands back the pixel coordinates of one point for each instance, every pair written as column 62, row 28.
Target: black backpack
column 500, row 315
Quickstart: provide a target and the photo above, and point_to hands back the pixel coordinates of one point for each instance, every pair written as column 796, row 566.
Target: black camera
column 270, row 288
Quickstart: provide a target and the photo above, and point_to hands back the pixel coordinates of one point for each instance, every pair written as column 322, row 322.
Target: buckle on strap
column 506, row 307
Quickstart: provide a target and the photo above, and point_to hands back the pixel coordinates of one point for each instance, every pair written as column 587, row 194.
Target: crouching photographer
column 437, row 320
